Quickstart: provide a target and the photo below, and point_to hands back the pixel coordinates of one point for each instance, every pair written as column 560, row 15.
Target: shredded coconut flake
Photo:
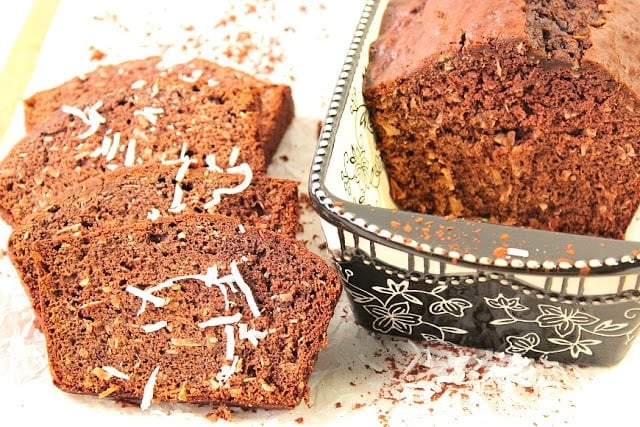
column 113, row 148
column 518, row 252
column 138, row 84
column 75, row 111
column 182, row 170
column 251, row 335
column 147, row 394
column 115, row 372
column 153, row 214
column 176, row 204
column 227, row 280
column 231, row 342
column 211, row 278
column 149, row 113
column 106, row 143
column 210, row 160
column 181, row 159
column 92, row 118
column 195, row 75
column 96, row 153
column 243, row 169
column 145, row 295
column 233, row 157
column 245, row 289
column 183, row 151
column 419, row 354
column 154, row 327
column 221, row 320
column 155, row 89
column 130, row 156
column 226, row 371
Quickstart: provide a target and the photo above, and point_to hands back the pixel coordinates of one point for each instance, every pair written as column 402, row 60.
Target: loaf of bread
column 214, row 123
column 277, row 101
column 521, row 112
column 147, row 192
column 192, row 308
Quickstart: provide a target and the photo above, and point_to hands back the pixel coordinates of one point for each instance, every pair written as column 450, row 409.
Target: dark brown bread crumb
column 145, row 192
column 94, row 323
column 222, row 412
column 519, row 112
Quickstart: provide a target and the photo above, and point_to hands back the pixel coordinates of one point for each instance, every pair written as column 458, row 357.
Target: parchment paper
column 360, row 378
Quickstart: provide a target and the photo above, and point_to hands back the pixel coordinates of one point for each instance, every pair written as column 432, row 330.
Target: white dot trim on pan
column 549, row 265
column 580, row 264
column 565, row 265
column 517, row 263
column 594, row 263
column 469, row 258
column 501, row 262
column 533, row 264
column 611, row 262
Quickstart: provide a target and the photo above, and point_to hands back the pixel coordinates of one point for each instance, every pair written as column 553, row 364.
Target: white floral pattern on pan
column 547, row 330
column 571, row 326
column 391, row 315
column 362, row 168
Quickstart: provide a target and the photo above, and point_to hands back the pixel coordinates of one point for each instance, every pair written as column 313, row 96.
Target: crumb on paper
column 228, row 37
column 97, row 54
column 423, row 373
column 221, row 412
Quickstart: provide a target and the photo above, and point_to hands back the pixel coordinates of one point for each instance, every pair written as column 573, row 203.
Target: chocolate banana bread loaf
column 522, row 112
column 191, row 308
column 147, row 192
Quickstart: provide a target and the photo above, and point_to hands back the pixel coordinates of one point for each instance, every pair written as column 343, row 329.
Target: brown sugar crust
column 145, row 192
column 163, row 118
column 519, row 112
column 277, row 102
column 93, row 322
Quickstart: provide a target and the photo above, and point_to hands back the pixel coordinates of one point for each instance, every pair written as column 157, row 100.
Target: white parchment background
column 359, row 378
